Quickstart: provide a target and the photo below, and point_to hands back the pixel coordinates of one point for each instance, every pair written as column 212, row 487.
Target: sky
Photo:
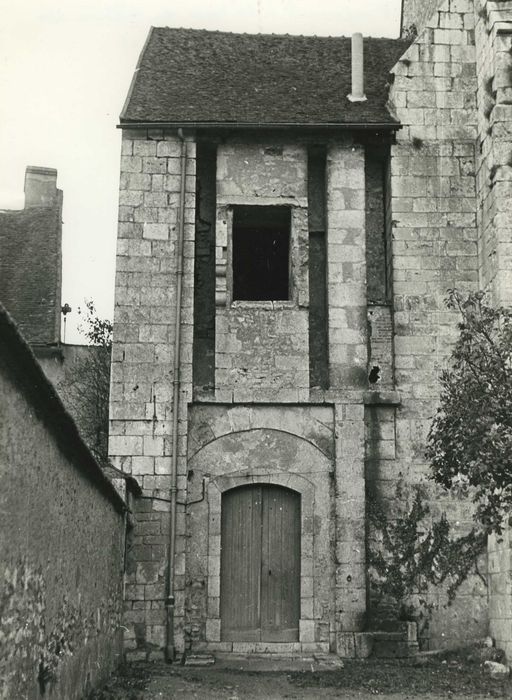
column 65, row 69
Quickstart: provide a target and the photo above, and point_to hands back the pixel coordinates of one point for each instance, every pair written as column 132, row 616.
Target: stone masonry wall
column 435, row 247
column 494, row 164
column 235, row 445
column 494, row 190
column 142, row 381
column 415, row 13
column 249, row 335
column 61, row 546
column 262, row 350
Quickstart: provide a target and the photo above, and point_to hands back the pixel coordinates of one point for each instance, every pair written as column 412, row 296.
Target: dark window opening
column 261, row 246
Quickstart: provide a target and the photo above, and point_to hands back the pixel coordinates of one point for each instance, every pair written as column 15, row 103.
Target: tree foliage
column 85, row 388
column 412, row 552
column 469, row 447
column 98, row 331
column 470, row 440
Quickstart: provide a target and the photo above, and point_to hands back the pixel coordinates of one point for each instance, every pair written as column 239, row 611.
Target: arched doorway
column 260, row 564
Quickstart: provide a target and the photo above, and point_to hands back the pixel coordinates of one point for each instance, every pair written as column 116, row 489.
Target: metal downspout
column 169, row 645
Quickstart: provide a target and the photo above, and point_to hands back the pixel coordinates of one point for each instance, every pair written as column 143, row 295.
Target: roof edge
column 135, row 72
column 391, row 125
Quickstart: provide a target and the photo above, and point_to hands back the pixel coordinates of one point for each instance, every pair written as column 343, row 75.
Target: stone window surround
column 295, row 482
column 224, row 253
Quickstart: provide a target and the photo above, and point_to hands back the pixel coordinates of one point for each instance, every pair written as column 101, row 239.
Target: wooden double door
column 260, row 564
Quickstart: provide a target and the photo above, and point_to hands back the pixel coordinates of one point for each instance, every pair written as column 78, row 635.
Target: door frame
column 258, row 589
column 294, row 482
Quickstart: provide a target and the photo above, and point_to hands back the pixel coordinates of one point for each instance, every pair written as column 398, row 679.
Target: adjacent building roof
column 30, row 269
column 190, row 76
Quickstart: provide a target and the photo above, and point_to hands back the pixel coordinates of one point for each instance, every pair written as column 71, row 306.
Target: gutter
column 170, row 649
column 387, row 126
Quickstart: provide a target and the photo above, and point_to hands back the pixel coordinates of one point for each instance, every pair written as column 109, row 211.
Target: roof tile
column 190, row 75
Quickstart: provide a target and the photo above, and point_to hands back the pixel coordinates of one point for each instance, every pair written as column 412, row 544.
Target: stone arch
column 263, row 456
column 314, row 424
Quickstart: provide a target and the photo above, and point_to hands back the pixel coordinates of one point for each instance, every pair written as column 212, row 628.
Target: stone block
column 135, row 181
column 144, row 148
column 154, row 165
column 345, row 645
column 131, row 164
column 156, row 231
column 142, row 465
column 170, row 149
column 307, row 630
column 125, row 445
column 363, row 644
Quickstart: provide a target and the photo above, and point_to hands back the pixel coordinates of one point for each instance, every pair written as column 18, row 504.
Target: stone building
column 31, row 291
column 287, row 235
column 31, row 259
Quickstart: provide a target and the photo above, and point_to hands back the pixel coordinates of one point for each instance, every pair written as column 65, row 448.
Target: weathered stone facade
column 261, row 357
column 330, row 391
column 62, row 527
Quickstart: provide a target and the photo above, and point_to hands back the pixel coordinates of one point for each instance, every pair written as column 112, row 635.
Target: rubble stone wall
column 61, row 546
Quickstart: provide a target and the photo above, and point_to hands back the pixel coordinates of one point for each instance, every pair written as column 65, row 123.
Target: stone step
column 199, row 660
column 394, row 649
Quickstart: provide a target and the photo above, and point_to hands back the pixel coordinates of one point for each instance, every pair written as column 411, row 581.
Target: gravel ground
column 430, row 679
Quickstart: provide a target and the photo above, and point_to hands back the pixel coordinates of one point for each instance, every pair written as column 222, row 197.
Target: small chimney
column 357, row 94
column 40, row 186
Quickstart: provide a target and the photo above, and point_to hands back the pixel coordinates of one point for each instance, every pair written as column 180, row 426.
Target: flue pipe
column 357, row 94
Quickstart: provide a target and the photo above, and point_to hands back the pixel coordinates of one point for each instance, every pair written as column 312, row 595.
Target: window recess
column 261, row 253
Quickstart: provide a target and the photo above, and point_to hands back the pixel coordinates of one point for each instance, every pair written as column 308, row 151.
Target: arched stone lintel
column 257, row 429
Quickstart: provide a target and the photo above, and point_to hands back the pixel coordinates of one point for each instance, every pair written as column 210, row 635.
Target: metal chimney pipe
column 357, row 94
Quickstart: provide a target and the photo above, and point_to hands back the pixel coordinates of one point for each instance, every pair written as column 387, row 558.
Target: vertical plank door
column 260, row 564
column 280, row 566
column 241, row 564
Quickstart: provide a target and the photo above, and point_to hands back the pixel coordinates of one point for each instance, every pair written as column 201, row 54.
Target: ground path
column 242, row 679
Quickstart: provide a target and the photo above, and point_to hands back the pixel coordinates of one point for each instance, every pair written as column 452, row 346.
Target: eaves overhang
column 338, row 126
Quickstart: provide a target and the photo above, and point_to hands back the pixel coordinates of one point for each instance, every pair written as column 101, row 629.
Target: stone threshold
column 264, row 663
column 280, row 648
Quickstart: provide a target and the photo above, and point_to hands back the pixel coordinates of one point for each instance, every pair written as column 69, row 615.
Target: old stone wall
column 435, row 248
column 500, row 591
column 142, row 384
column 81, row 375
column 494, row 170
column 494, row 163
column 261, row 356
column 232, row 446
column 262, row 347
column 415, row 13
column 62, row 543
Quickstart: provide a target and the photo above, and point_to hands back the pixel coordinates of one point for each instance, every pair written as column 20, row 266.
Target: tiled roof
column 198, row 76
column 30, row 268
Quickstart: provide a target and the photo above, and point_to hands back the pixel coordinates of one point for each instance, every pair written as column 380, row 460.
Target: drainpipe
column 169, row 602
column 357, row 93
